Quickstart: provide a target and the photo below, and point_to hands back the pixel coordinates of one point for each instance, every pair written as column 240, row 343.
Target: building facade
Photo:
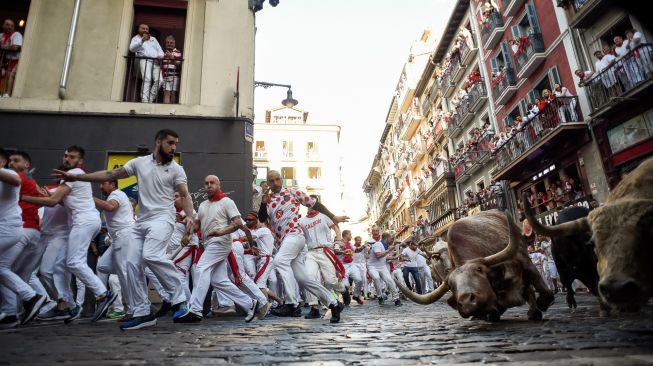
column 77, row 82
column 307, row 155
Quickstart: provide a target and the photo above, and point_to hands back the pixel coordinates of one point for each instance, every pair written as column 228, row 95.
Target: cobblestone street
column 368, row 334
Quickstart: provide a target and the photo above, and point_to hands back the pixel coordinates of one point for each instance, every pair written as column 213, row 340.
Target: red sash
column 262, row 270
column 340, row 269
column 233, row 263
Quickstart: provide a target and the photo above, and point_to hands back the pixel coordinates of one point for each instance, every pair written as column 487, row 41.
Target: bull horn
column 568, row 228
column 429, row 298
column 511, row 249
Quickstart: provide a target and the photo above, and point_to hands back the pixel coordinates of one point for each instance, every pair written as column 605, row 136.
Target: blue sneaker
column 182, row 311
column 53, row 314
column 102, row 304
column 139, row 322
column 73, row 314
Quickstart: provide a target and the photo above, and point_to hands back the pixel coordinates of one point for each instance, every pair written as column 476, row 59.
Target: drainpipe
column 69, row 51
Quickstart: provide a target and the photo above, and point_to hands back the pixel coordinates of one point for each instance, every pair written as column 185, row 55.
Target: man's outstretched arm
column 99, row 176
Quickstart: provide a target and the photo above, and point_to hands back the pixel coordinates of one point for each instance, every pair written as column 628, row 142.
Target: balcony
column 530, row 55
column 468, row 51
column 583, row 13
column 474, row 158
column 460, row 117
column 477, row 96
column 315, row 183
column 504, row 86
column 428, row 100
column 261, row 155
column 554, row 131
column 458, row 71
column 422, row 233
column 492, row 30
column 313, row 156
column 152, row 80
column 412, row 120
column 287, row 155
column 622, row 84
column 511, row 7
column 446, row 83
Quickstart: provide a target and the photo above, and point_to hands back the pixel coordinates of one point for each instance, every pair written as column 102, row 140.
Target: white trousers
column 352, row 272
column 289, row 262
column 150, row 240
column 381, row 275
column 212, row 270
column 264, row 266
column 362, row 270
column 426, row 279
column 115, row 261
column 151, row 75
column 81, row 235
column 250, row 265
column 9, row 237
column 56, row 242
column 319, row 266
column 25, row 255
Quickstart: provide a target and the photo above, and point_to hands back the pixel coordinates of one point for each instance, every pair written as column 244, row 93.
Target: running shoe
column 139, row 322
column 252, row 311
column 102, row 305
column 32, row 307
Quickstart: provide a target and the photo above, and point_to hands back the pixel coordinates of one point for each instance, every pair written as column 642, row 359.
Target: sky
column 343, row 59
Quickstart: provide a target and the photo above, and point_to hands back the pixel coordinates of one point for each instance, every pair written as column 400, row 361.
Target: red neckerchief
column 311, row 215
column 6, row 37
column 376, row 237
column 217, row 196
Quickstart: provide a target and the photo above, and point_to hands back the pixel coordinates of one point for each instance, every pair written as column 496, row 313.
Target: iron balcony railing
column 449, row 72
column 562, row 110
column 153, row 80
column 505, row 79
column 528, row 46
column 261, row 154
column 625, row 74
column 459, row 115
column 476, row 153
column 494, row 20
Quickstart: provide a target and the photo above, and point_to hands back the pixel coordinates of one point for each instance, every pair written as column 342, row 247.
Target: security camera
column 274, row 2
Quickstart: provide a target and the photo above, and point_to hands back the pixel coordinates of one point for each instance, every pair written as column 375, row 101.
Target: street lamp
column 289, row 101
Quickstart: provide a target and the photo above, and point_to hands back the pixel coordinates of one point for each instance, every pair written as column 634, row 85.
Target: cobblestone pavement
column 368, row 334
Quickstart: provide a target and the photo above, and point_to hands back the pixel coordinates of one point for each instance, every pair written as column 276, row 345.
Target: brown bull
column 622, row 231
column 440, row 262
column 488, row 276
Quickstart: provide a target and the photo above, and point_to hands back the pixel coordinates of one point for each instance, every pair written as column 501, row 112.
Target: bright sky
column 343, row 59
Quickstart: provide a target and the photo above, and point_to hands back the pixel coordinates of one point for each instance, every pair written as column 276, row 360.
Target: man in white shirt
column 361, row 252
column 218, row 217
column 378, row 268
column 410, row 256
column 85, row 225
column 11, row 43
column 281, row 208
column 346, row 253
column 11, row 227
column 159, row 176
column 321, row 260
column 148, row 53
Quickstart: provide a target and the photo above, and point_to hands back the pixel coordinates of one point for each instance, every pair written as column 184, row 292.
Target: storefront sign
column 551, row 217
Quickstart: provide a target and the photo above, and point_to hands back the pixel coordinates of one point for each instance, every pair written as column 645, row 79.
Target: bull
column 488, row 276
column 440, row 262
column 622, row 231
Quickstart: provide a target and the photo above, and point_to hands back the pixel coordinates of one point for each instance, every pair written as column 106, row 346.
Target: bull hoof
column 534, row 314
column 544, row 301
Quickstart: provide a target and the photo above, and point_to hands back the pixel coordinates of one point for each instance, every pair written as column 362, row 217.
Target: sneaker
column 252, row 311
column 313, row 314
column 126, row 318
column 9, row 321
column 224, row 311
column 164, row 309
column 182, row 311
column 263, row 311
column 115, row 314
column 73, row 314
column 102, row 305
column 31, row 308
column 296, row 312
column 359, row 300
column 284, row 310
column 397, row 302
column 380, row 300
column 346, row 297
column 191, row 317
column 53, row 314
column 336, row 309
column 139, row 322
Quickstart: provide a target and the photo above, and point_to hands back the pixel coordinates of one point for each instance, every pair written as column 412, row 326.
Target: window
column 631, row 132
column 261, row 173
column 288, row 173
column 260, row 151
column 480, row 185
column 548, row 80
column 288, row 149
column 260, row 145
column 314, row 173
column 311, row 150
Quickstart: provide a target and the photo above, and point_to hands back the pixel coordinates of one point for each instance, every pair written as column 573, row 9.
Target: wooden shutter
column 532, row 18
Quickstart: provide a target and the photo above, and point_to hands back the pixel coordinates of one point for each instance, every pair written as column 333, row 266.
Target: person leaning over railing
column 171, row 71
column 147, row 51
column 10, row 43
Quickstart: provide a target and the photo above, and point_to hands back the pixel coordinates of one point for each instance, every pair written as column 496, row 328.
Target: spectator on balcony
column 641, row 55
column 489, row 7
column 171, row 71
column 11, row 44
column 608, row 77
column 497, row 192
column 583, row 76
column 566, row 103
column 148, row 53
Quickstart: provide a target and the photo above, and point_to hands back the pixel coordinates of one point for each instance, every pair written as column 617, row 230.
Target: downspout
column 63, row 84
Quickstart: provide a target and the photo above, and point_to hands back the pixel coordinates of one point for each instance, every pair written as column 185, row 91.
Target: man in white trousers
column 263, row 251
column 159, row 176
column 378, row 267
column 321, row 260
column 346, row 252
column 218, row 218
column 77, row 197
column 281, row 208
column 11, row 227
column 149, row 54
column 361, row 252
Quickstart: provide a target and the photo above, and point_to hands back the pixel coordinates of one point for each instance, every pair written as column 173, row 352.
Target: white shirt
column 178, row 232
column 623, row 50
column 421, row 261
column 360, row 257
column 16, row 39
column 55, row 220
column 123, row 216
column 10, row 212
column 156, row 187
column 317, row 230
column 149, row 48
column 238, row 248
column 412, row 257
column 217, row 215
column 374, row 261
column 79, row 201
column 264, row 241
column 604, row 63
